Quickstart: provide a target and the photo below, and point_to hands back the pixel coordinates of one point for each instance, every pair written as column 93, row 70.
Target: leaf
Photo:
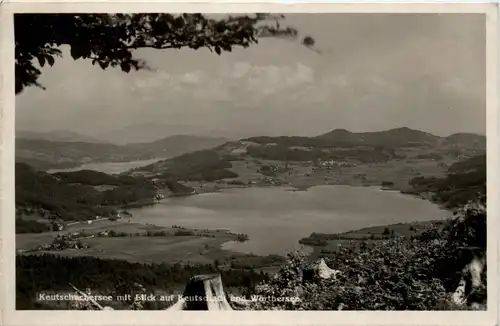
column 41, row 59
column 308, row 41
column 76, row 52
column 56, row 52
column 125, row 67
column 50, row 60
column 103, row 64
column 179, row 22
column 88, row 36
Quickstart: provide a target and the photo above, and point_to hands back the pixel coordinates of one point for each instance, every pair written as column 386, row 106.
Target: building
column 56, row 226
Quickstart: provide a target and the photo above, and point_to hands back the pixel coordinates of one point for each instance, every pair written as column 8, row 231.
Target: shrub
column 182, row 233
column 393, row 274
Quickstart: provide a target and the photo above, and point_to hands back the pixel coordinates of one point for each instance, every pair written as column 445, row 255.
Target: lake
column 276, row 218
column 109, row 167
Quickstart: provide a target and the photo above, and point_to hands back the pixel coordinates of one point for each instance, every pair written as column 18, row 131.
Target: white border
column 7, row 98
column 246, row 2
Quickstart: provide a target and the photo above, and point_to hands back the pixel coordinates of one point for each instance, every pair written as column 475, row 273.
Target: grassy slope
column 395, row 156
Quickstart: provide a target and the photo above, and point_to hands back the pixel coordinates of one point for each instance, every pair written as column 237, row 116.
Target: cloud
column 239, row 70
column 374, row 72
column 271, row 79
column 192, row 77
column 301, row 75
column 237, row 80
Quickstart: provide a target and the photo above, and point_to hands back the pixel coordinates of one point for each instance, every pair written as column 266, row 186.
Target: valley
column 389, row 159
column 51, row 153
column 418, row 164
column 242, row 205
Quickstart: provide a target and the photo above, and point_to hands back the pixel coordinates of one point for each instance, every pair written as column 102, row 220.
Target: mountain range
column 365, row 146
column 149, row 132
column 401, row 146
column 58, row 136
column 198, row 159
column 393, row 138
column 44, row 154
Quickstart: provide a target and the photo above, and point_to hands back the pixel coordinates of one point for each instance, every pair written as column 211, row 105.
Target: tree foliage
column 419, row 273
column 53, row 274
column 465, row 181
column 72, row 196
column 109, row 40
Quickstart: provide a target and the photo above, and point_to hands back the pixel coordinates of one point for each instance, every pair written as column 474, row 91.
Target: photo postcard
column 273, row 164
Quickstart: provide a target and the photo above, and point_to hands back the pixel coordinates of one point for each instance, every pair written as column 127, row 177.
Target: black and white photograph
column 251, row 161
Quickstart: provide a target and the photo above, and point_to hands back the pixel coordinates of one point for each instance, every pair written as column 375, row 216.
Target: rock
column 471, row 275
column 458, row 297
column 324, row 271
column 476, row 267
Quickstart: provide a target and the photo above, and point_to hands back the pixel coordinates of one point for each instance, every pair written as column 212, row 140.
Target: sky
column 374, row 72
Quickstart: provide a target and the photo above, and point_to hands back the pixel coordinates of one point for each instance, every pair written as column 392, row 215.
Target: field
column 148, row 244
column 189, row 249
column 205, row 247
column 201, row 247
column 301, row 175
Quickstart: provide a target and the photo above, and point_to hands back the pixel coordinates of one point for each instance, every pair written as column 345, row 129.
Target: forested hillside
column 44, row 154
column 75, row 195
column 465, row 181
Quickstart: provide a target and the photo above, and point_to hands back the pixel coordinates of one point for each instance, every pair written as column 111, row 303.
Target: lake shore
column 208, row 250
column 211, row 211
column 300, row 176
column 148, row 243
column 204, row 246
column 328, row 244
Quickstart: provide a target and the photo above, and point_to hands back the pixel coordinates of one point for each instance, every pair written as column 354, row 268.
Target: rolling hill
column 83, row 194
column 465, row 180
column 399, row 137
column 393, row 138
column 44, row 154
column 367, row 146
column 58, row 136
column 174, row 145
column 150, row 132
column 399, row 154
column 77, row 195
column 389, row 138
column 467, row 140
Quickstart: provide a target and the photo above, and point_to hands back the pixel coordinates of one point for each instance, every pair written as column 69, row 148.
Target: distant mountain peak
column 403, row 128
column 340, row 130
column 406, row 129
column 57, row 136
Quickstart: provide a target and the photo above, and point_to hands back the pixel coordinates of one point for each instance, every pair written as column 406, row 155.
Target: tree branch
column 109, row 39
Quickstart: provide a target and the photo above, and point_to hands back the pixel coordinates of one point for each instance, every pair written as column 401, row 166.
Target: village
column 59, row 225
